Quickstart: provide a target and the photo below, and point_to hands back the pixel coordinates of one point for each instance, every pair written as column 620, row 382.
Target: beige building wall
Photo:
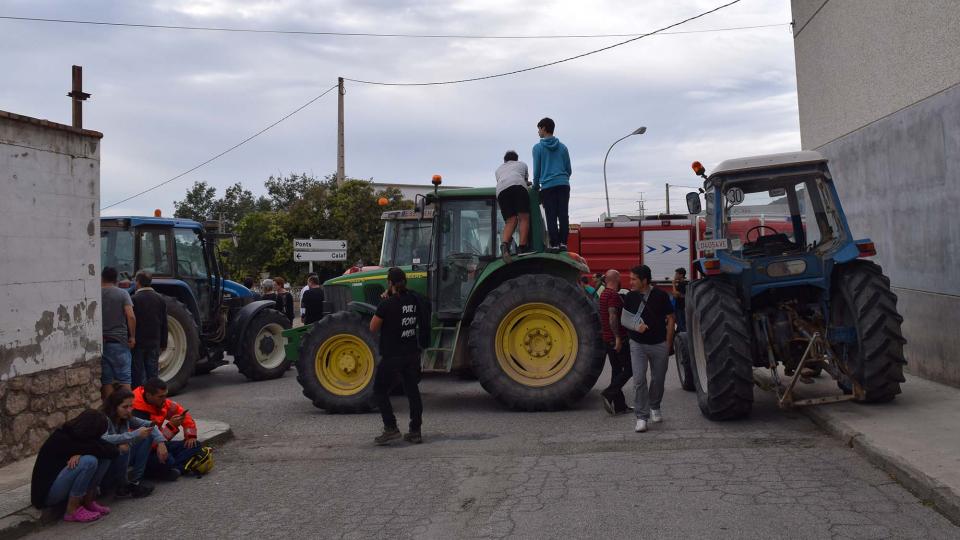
column 878, row 84
column 50, row 326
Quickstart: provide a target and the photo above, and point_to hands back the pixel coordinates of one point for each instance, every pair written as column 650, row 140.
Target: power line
column 227, row 151
column 366, row 34
column 555, row 62
column 812, row 17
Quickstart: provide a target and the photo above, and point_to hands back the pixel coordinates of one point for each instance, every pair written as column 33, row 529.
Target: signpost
column 309, row 250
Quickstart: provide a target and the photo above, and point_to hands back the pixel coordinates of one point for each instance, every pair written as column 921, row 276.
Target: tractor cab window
column 155, row 252
column 116, row 250
column 467, row 243
column 406, row 242
column 791, row 215
column 192, row 267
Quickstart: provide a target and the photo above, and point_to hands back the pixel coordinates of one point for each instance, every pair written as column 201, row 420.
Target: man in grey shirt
column 119, row 329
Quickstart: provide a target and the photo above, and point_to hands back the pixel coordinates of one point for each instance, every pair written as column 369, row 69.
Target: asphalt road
column 294, row 471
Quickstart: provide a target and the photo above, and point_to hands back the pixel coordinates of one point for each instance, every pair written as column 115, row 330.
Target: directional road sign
column 307, row 256
column 310, row 244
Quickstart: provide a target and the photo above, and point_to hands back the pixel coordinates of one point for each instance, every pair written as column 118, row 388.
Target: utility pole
column 340, row 166
column 668, row 197
column 78, row 96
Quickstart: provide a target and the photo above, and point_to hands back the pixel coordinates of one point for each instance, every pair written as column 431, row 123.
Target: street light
column 639, row 131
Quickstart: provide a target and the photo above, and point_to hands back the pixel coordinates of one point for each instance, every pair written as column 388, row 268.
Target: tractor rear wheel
column 337, row 363
column 535, row 343
column 720, row 338
column 177, row 361
column 262, row 355
column 862, row 299
column 681, row 354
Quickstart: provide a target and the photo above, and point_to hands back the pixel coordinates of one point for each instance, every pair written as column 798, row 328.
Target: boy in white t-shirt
column 514, row 202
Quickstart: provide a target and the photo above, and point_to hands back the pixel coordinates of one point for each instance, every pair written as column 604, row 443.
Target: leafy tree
column 198, row 204
column 284, row 191
column 236, row 203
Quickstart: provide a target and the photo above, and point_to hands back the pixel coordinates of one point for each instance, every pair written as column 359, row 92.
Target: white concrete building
column 879, row 92
column 50, row 326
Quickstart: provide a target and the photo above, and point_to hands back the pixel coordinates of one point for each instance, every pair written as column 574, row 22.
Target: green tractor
column 525, row 329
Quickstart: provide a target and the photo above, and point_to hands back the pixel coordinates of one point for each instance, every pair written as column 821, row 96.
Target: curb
column 928, row 489
column 29, row 519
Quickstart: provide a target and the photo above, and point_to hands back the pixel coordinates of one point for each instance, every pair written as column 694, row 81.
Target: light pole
column 639, row 131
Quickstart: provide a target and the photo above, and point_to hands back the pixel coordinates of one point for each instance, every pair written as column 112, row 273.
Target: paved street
column 483, row 472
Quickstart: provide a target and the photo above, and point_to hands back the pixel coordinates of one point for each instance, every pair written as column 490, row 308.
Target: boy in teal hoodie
column 551, row 176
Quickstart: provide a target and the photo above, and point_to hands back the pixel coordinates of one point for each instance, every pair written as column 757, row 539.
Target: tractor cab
column 774, row 220
column 178, row 253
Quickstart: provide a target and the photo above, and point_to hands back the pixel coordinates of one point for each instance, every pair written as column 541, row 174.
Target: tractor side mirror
column 693, row 203
column 420, row 204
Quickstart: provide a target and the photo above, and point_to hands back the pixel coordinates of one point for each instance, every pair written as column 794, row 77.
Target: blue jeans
column 656, row 357
column 556, row 203
column 135, row 460
column 146, row 365
column 78, row 481
column 177, row 456
column 115, row 362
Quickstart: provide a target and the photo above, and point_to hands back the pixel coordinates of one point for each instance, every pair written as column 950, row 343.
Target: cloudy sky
column 169, row 99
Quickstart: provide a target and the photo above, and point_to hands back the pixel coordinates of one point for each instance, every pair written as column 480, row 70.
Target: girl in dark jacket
column 70, row 466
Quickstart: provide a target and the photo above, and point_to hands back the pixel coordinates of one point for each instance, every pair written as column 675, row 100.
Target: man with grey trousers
column 650, row 343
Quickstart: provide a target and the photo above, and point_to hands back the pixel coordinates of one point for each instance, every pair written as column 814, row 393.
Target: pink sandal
column 98, row 508
column 81, row 515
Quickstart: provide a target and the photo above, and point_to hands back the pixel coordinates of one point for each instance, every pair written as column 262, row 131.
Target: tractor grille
column 338, row 296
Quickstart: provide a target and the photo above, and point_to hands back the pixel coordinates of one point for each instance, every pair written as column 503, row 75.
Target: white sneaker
column 656, row 416
column 641, row 425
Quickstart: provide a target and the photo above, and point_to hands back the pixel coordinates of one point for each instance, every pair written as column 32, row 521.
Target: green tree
column 284, row 191
column 198, row 203
column 262, row 245
column 236, row 203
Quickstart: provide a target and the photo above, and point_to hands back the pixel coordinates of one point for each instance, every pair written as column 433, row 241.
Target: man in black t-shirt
column 312, row 301
column 679, row 298
column 398, row 320
column 650, row 343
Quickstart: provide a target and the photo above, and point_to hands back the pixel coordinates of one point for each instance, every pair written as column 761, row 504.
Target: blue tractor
column 784, row 286
column 208, row 316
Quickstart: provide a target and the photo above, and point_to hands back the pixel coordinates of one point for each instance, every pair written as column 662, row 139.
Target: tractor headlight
column 787, row 268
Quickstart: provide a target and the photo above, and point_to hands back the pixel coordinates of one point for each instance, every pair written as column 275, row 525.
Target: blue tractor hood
column 236, row 289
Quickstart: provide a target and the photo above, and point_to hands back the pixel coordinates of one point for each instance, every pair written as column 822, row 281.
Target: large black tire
column 681, row 354
column 261, row 356
column 337, row 363
column 178, row 360
column 720, row 338
column 535, row 343
column 862, row 299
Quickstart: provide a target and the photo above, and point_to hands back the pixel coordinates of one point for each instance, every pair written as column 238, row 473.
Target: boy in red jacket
column 150, row 403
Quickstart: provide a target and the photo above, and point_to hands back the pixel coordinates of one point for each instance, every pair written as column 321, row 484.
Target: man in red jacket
column 150, row 403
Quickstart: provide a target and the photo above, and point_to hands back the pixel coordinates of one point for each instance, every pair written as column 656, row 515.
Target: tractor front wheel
column 535, row 343
column 177, row 361
column 720, row 339
column 337, row 363
column 681, row 354
column 862, row 299
column 262, row 355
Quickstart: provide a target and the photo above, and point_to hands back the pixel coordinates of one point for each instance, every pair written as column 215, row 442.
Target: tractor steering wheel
column 758, row 228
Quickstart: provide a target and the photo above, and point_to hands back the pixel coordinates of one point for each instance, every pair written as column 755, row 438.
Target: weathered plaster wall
column 50, row 328
column 49, row 247
column 878, row 83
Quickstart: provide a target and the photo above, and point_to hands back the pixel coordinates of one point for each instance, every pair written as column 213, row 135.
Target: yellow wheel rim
column 344, row 364
column 536, row 344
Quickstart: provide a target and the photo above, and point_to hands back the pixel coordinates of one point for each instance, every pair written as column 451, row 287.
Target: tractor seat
column 773, row 244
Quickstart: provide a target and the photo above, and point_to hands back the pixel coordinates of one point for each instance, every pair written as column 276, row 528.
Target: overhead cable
column 548, row 64
column 227, row 151
column 367, row 34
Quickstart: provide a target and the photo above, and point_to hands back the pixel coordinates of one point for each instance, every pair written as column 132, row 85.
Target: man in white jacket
column 514, row 202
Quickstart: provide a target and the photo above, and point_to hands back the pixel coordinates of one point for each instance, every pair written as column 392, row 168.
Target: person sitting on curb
column 133, row 437
column 70, row 466
column 150, row 403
